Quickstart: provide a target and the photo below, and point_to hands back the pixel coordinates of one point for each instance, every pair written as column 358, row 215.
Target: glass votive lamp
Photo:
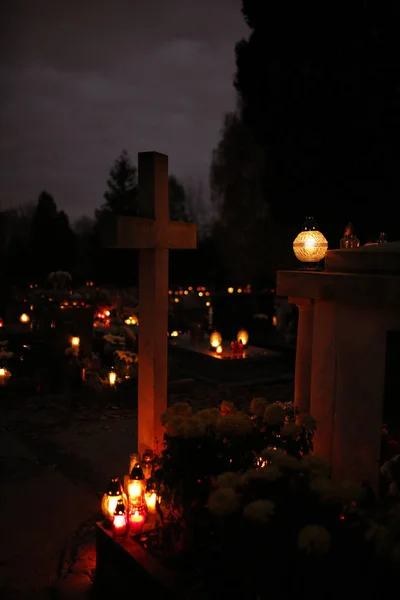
column 120, row 523
column 111, row 498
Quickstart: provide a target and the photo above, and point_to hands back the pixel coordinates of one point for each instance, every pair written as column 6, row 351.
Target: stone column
column 302, row 381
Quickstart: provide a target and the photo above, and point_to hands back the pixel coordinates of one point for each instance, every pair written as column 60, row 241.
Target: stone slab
column 124, row 566
column 258, row 365
column 376, row 258
column 364, row 289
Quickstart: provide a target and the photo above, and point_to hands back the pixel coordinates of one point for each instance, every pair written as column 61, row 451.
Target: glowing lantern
column 24, row 318
column 174, row 334
column 310, row 246
column 75, row 342
column 134, row 459
column 176, row 300
column 136, row 486
column 274, row 320
column 230, row 290
column 208, row 303
column 4, row 375
column 243, row 336
column 239, row 290
column 215, row 339
column 120, row 520
column 218, row 349
column 110, row 499
column 201, row 294
column 147, row 465
column 112, row 377
column 151, row 497
column 137, row 518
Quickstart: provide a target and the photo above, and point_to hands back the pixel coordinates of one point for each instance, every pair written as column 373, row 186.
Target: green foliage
column 248, row 245
column 243, row 494
column 52, row 241
column 121, row 193
column 322, row 101
column 178, row 208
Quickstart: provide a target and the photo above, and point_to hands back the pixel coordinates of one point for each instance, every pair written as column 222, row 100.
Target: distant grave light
column 243, row 336
column 230, row 290
column 75, row 341
column 215, row 339
column 24, row 318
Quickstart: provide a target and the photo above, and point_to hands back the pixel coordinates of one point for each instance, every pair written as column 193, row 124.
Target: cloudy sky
column 82, row 79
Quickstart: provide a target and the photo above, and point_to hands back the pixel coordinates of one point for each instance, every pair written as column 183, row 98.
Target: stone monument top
column 375, row 258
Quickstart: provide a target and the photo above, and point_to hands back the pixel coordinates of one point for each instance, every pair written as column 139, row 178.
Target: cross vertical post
column 153, row 305
column 153, row 234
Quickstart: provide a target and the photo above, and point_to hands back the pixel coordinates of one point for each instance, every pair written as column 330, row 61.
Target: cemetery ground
column 57, row 453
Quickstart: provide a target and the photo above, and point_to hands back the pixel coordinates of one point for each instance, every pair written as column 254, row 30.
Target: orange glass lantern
column 24, row 318
column 147, row 464
column 219, row 349
column 243, row 337
column 215, row 339
column 310, row 246
column 151, row 497
column 110, row 499
column 137, row 518
column 120, row 521
column 136, row 486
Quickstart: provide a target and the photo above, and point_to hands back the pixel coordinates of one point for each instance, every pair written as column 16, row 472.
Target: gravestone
column 154, row 235
column 345, row 314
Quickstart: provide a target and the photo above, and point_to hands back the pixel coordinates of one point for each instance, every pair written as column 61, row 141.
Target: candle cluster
column 128, row 510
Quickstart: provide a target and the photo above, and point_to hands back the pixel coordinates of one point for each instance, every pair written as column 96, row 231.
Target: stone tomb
column 257, row 365
column 347, row 314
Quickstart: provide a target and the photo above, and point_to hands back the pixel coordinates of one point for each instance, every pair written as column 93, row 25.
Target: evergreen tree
column 121, row 193
column 52, row 242
column 243, row 231
column 178, row 208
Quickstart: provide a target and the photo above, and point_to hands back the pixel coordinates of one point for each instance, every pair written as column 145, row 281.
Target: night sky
column 82, row 79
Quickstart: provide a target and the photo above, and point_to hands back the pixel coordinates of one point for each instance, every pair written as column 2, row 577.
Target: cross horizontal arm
column 145, row 234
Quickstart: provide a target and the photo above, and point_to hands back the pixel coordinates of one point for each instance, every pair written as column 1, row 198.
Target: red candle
column 137, row 519
column 120, row 521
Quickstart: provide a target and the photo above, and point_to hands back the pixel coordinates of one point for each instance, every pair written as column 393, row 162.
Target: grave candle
column 137, row 519
column 151, row 496
column 110, row 499
column 112, row 377
column 2, row 376
column 134, row 459
column 120, row 521
column 136, row 486
column 147, row 464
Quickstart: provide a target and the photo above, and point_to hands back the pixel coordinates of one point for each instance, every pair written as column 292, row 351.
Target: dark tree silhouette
column 178, row 208
column 52, row 242
column 319, row 87
column 121, row 193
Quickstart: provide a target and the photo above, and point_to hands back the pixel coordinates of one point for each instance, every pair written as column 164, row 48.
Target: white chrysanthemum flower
column 323, row 487
column 315, row 464
column 223, row 502
column 285, row 461
column 260, row 511
column 274, row 415
column 314, row 539
column 267, row 473
column 229, row 480
column 290, row 429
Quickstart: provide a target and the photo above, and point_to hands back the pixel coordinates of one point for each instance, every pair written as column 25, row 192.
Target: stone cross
column 154, row 235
